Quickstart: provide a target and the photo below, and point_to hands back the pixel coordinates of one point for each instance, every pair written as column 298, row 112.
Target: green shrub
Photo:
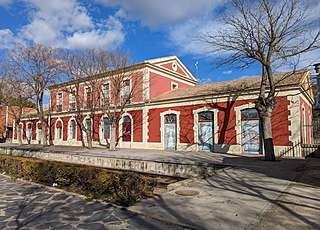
column 123, row 188
column 125, row 201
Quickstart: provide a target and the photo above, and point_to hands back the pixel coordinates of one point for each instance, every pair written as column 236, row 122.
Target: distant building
column 6, row 121
column 175, row 114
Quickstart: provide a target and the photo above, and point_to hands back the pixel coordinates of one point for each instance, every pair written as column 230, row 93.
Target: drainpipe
column 317, row 69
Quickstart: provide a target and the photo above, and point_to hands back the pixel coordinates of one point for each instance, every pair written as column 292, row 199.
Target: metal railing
column 310, row 141
column 299, row 149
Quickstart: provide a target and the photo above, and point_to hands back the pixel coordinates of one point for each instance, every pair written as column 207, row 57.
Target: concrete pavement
column 243, row 197
column 253, row 194
column 28, row 206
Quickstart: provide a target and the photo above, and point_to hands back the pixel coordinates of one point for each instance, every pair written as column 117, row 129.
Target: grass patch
column 120, row 187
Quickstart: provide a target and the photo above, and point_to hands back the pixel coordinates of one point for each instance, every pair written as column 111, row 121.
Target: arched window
column 106, row 128
column 170, row 131
column 72, row 130
column 206, row 131
column 39, row 132
column 89, row 125
column 126, row 128
column 59, row 130
column 251, row 135
column 29, row 132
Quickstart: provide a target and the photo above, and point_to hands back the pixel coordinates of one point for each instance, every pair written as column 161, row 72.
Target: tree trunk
column 267, row 137
column 44, row 135
column 19, row 134
column 265, row 106
column 89, row 138
column 81, row 135
column 50, row 138
column 113, row 137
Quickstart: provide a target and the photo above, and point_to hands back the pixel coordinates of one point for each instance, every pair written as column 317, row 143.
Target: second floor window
column 106, row 93
column 59, row 102
column 88, row 98
column 127, row 91
column 72, row 102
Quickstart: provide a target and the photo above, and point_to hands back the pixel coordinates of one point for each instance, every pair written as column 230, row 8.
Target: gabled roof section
column 174, row 66
column 287, row 79
column 170, row 64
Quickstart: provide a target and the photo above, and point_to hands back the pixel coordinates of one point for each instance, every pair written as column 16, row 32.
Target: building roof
column 32, row 112
column 239, row 85
column 156, row 62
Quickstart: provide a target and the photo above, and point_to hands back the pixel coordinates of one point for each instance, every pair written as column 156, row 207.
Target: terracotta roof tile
column 241, row 84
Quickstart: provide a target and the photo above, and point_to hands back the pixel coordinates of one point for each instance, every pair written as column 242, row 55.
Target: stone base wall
column 145, row 166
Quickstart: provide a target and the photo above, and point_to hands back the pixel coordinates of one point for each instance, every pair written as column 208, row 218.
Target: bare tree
column 268, row 32
column 124, row 86
column 101, row 81
column 82, row 68
column 16, row 98
column 36, row 67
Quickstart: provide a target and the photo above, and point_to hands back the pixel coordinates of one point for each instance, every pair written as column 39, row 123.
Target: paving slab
column 242, row 198
column 28, row 206
column 252, row 194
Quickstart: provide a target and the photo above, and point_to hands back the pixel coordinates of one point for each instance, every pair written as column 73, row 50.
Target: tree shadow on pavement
column 269, row 181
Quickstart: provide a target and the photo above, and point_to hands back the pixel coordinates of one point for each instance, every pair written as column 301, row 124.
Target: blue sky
column 147, row 29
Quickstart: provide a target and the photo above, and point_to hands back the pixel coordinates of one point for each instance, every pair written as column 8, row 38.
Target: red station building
column 171, row 112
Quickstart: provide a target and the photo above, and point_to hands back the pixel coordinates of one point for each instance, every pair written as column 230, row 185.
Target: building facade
column 170, row 112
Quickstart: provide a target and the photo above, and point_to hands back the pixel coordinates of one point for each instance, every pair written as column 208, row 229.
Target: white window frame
column 85, row 124
column 124, row 91
column 27, row 130
column 121, row 123
column 85, row 105
column 101, row 130
column 162, row 131
column 72, row 99
column 58, row 102
column 196, row 125
column 69, row 129
column 56, row 130
column 174, row 85
column 38, row 136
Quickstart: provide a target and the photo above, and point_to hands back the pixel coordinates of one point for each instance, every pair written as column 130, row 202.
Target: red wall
column 137, row 125
column 280, row 122
column 226, row 122
column 169, row 66
column 160, row 84
column 306, row 129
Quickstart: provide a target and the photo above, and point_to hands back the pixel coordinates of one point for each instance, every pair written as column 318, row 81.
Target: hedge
column 121, row 187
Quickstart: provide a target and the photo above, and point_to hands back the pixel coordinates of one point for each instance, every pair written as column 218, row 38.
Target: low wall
column 145, row 166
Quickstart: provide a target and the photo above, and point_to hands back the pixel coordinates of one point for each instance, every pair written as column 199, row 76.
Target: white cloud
column 68, row 24
column 186, row 36
column 113, row 36
column 7, row 39
column 157, row 13
column 227, row 72
column 5, row 3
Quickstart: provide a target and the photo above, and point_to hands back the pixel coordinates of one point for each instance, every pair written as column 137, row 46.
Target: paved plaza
column 28, row 206
column 251, row 194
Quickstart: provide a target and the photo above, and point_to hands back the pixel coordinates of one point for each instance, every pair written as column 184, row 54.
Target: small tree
column 36, row 67
column 269, row 32
column 126, row 86
column 90, row 69
column 82, row 68
column 16, row 97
